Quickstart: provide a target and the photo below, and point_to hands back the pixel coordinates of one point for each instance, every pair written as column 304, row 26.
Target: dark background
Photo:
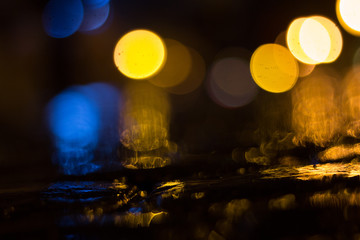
column 35, row 67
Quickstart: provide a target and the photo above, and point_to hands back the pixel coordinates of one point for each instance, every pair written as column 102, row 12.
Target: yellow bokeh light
column 293, row 42
column 348, row 14
column 335, row 38
column 195, row 76
column 177, row 66
column 314, row 40
column 273, row 68
column 304, row 69
column 139, row 54
column 281, row 39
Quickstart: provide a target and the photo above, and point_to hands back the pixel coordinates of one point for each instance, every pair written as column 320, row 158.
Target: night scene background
column 243, row 131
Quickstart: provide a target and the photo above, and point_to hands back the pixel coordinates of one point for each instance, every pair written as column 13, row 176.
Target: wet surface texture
column 302, row 202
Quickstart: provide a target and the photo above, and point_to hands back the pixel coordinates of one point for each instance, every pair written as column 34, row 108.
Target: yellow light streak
column 315, row 115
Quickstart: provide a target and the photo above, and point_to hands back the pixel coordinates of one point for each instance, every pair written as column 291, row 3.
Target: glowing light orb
column 177, row 66
column 314, row 40
column 139, row 54
column 273, row 68
column 108, row 101
column 74, row 121
column 281, row 39
column 195, row 77
column 335, row 38
column 293, row 42
column 84, row 123
column 95, row 3
column 304, row 69
column 74, row 118
column 62, row 18
column 230, row 83
column 347, row 12
column 302, row 42
column 94, row 17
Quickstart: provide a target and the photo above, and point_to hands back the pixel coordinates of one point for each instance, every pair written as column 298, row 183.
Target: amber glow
column 293, row 42
column 314, row 40
column 144, row 127
column 139, row 54
column 339, row 152
column 177, row 66
column 145, row 118
column 341, row 199
column 194, row 78
column 136, row 220
column 237, row 207
column 254, row 155
column 308, row 172
column 273, row 68
column 281, row 39
column 335, row 37
column 347, row 12
column 351, row 102
column 173, row 189
column 147, row 160
column 315, row 115
column 282, row 203
column 304, row 69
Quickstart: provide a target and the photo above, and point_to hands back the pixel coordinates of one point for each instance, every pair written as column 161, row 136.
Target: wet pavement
column 182, row 202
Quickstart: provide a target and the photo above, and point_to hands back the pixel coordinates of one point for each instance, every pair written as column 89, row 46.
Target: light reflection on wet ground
column 296, row 202
column 314, row 172
column 126, row 219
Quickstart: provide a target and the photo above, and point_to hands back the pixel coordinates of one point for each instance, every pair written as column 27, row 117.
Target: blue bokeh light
column 62, row 18
column 94, row 18
column 108, row 100
column 74, row 121
column 95, row 3
column 83, row 122
column 75, row 160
